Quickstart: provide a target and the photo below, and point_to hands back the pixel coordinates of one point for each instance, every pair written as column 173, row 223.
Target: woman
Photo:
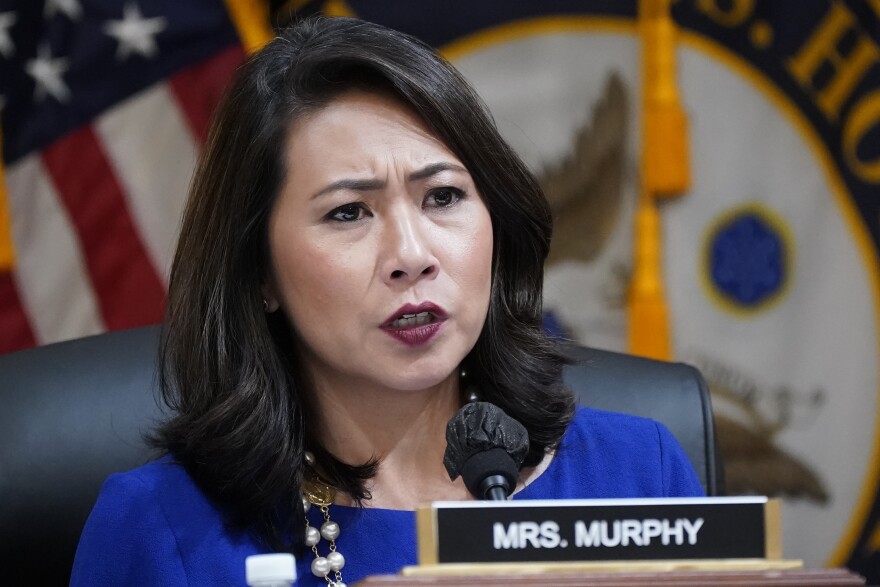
column 361, row 253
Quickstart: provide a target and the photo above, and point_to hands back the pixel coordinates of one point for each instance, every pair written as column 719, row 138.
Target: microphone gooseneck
column 486, row 447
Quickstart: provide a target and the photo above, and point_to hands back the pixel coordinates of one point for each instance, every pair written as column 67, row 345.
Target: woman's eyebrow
column 366, row 185
column 434, row 169
column 358, row 185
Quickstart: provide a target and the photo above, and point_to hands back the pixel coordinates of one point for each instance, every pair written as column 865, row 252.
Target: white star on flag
column 135, row 33
column 71, row 8
column 46, row 73
column 7, row 19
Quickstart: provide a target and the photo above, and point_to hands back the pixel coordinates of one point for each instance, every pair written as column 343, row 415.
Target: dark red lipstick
column 414, row 325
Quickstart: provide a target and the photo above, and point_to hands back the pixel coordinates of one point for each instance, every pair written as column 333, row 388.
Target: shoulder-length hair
column 231, row 373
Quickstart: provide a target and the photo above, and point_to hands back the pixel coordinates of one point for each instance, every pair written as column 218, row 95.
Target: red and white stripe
column 96, row 214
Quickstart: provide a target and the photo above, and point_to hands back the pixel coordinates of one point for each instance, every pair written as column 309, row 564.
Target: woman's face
column 381, row 247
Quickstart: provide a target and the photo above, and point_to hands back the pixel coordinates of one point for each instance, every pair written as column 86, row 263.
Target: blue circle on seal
column 747, row 260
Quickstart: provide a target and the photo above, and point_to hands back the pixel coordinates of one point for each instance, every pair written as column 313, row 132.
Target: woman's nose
column 407, row 252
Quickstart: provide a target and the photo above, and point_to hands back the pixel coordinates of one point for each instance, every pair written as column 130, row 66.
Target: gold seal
column 318, row 493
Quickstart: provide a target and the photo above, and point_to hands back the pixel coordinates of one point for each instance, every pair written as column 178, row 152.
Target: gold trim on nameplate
column 772, row 529
column 426, row 527
column 658, row 566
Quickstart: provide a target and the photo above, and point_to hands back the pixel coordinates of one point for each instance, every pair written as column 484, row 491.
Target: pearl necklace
column 315, row 492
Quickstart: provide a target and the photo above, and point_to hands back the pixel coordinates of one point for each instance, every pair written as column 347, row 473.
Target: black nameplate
column 592, row 530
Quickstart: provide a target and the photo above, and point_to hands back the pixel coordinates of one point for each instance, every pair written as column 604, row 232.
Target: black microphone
column 486, row 447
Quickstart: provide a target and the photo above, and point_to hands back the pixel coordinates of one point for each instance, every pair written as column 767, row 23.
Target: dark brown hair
column 230, row 372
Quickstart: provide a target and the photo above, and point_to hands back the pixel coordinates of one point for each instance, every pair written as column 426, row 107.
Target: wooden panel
column 768, row 578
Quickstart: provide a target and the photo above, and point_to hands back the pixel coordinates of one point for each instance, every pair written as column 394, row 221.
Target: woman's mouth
column 408, row 320
column 415, row 325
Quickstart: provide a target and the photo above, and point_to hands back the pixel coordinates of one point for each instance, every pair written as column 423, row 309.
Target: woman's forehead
column 361, row 131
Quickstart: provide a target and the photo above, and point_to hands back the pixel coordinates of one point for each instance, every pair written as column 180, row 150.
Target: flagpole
column 665, row 174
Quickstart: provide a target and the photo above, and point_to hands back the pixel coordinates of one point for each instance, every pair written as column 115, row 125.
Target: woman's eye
column 347, row 213
column 444, row 197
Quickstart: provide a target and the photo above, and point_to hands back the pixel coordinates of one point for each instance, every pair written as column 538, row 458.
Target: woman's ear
column 270, row 297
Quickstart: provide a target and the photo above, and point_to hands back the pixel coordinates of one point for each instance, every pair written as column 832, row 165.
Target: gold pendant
column 318, row 493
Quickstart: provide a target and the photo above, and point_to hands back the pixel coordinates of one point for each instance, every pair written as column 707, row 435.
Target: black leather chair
column 75, row 412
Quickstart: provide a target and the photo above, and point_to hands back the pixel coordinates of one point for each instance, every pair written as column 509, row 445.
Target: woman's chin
column 421, row 381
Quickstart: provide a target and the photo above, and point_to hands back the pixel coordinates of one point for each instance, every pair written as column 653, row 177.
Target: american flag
column 105, row 104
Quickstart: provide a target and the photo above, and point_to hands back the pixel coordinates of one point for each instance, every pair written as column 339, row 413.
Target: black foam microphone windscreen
column 486, row 447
